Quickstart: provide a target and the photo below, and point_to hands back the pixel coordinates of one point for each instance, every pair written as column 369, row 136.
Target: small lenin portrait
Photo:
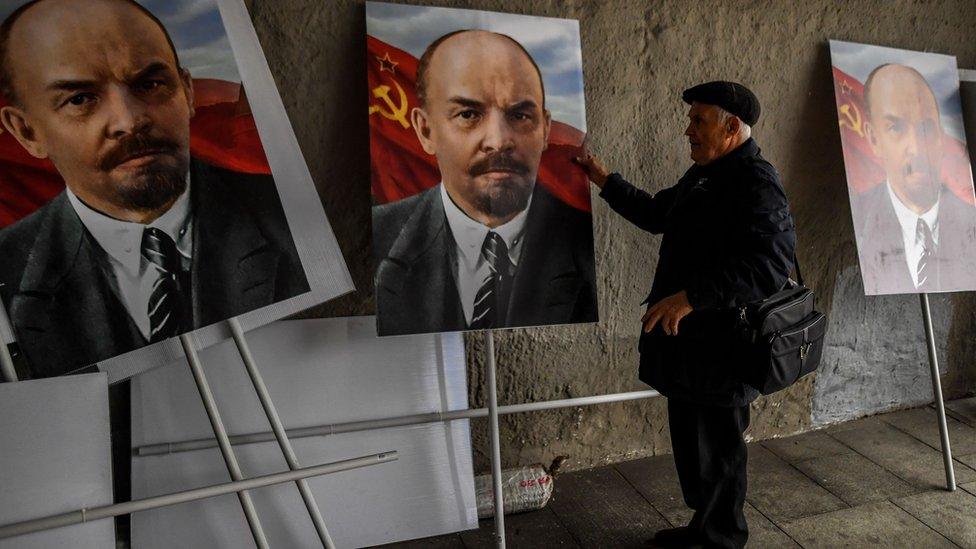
column 487, row 241
column 908, row 170
column 142, row 240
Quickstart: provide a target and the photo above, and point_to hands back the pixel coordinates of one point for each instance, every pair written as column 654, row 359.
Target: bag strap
column 796, row 267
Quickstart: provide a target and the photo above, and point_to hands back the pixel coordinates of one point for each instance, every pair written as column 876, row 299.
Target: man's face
column 906, row 134
column 485, row 121
column 709, row 136
column 99, row 93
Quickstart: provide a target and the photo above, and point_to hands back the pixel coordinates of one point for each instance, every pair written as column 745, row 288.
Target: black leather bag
column 783, row 337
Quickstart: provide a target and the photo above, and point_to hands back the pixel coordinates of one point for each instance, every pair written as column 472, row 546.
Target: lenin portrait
column 495, row 231
column 908, row 170
column 140, row 234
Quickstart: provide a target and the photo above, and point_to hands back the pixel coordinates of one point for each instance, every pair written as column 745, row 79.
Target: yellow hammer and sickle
column 850, row 116
column 395, row 112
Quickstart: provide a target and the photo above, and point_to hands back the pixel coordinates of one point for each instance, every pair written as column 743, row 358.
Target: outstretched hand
column 669, row 312
column 594, row 168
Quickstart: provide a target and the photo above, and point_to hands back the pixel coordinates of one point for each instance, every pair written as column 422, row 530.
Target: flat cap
column 731, row 96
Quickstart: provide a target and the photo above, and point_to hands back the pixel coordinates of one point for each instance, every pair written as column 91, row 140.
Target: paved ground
column 873, row 482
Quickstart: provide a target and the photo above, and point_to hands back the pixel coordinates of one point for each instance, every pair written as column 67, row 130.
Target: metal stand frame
column 279, row 431
column 937, row 390
column 496, row 455
column 233, row 467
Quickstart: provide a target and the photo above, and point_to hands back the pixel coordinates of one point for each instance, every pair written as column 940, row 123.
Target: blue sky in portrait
column 940, row 71
column 553, row 43
column 197, row 31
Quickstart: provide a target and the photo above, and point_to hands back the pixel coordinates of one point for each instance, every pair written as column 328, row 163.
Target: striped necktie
column 926, row 263
column 490, row 303
column 165, row 302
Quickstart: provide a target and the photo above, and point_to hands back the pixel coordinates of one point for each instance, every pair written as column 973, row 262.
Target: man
column 145, row 243
column 914, row 234
column 487, row 248
column 728, row 240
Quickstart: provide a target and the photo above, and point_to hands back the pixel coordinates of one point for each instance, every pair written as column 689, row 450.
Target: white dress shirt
column 914, row 246
column 469, row 235
column 129, row 273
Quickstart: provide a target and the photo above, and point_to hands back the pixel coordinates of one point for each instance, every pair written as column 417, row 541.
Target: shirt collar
column 909, row 219
column 122, row 240
column 469, row 235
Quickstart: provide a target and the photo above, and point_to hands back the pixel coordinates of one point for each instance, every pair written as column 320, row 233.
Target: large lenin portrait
column 908, row 169
column 480, row 218
column 137, row 201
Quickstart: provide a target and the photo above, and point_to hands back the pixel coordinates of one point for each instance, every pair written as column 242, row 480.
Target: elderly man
column 487, row 248
column 914, row 234
column 728, row 240
column 145, row 242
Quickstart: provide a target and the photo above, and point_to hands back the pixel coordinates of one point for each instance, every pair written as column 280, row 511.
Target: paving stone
column 969, row 460
column 810, row 445
column 952, row 514
column 855, row 479
column 533, row 529
column 880, row 524
column 600, row 508
column 781, row 492
column 907, row 457
column 923, row 424
column 656, row 479
column 763, row 533
column 852, row 425
column 963, row 409
column 969, row 487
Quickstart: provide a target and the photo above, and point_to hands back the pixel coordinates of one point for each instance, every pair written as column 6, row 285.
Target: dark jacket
column 881, row 247
column 64, row 311
column 416, row 267
column 728, row 240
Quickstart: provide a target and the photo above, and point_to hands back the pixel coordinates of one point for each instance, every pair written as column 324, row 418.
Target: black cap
column 731, row 96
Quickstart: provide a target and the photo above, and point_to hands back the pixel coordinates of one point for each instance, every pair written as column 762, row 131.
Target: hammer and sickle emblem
column 395, row 112
column 850, row 116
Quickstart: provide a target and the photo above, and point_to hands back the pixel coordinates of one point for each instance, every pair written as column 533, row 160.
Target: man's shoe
column 681, row 536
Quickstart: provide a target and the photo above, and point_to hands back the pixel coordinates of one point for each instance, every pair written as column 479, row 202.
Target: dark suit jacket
column 64, row 311
column 416, row 267
column 882, row 249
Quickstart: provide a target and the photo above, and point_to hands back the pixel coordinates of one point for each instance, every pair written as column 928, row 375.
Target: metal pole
column 496, row 456
column 937, row 389
column 7, row 369
column 384, row 423
column 234, row 468
column 155, row 502
column 279, row 431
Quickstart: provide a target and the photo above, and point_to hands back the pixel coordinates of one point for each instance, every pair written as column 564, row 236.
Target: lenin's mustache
column 135, row 146
column 498, row 162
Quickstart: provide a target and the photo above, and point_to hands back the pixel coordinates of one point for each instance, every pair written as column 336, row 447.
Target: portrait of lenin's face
column 97, row 90
column 483, row 115
column 905, row 133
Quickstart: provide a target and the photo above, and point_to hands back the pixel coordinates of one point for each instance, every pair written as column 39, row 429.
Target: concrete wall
column 638, row 56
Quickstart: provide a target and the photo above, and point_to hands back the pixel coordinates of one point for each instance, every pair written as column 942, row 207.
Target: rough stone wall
column 638, row 56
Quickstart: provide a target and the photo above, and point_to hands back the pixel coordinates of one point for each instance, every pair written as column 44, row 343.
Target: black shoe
column 681, row 536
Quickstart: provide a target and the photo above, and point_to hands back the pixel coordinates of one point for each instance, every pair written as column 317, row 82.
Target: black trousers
column 710, row 455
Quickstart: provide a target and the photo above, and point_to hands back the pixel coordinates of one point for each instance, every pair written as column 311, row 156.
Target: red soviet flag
column 864, row 169
column 399, row 165
column 222, row 133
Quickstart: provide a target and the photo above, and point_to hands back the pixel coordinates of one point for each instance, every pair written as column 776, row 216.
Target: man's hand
column 593, row 167
column 669, row 312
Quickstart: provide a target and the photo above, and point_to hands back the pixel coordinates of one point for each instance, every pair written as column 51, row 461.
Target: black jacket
column 64, row 311
column 415, row 254
column 728, row 240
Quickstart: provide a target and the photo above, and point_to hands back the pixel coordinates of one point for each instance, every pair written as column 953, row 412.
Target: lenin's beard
column 154, row 184
column 502, row 198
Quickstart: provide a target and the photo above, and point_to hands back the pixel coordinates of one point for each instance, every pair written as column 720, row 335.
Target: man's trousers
column 710, row 455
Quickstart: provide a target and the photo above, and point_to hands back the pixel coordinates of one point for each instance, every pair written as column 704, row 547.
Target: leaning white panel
column 318, row 372
column 55, row 458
